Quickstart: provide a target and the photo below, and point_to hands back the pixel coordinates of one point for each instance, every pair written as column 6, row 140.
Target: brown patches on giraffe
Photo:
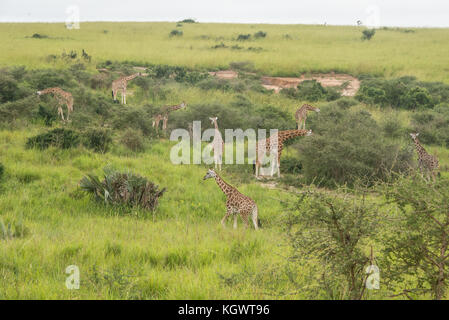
column 63, row 98
column 301, row 115
column 426, row 162
column 236, row 202
column 275, row 142
column 120, row 84
column 163, row 115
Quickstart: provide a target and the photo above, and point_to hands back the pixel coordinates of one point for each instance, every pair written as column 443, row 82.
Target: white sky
column 419, row 13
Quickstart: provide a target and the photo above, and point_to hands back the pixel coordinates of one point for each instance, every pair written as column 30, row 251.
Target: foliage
column 49, row 116
column 123, row 188
column 242, row 37
column 176, row 33
column 432, row 125
column 260, row 34
column 58, row 138
column 418, row 242
column 9, row 231
column 189, row 20
column 132, row 139
column 347, row 146
column 2, row 170
column 367, row 34
column 312, row 90
column 98, row 140
column 332, row 229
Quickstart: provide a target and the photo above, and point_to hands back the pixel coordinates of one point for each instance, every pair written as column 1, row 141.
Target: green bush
column 59, row 138
column 98, row 140
column 119, row 188
column 368, row 34
column 347, row 146
column 432, row 126
column 260, row 34
column 2, row 170
column 176, row 33
column 133, row 140
column 242, row 37
column 47, row 114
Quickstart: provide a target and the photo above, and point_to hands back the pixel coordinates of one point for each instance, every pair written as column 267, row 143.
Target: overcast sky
column 421, row 13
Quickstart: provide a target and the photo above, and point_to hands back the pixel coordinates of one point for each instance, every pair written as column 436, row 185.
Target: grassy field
column 180, row 251
column 286, row 50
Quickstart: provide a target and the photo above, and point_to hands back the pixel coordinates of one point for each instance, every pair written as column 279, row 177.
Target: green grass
column 309, row 48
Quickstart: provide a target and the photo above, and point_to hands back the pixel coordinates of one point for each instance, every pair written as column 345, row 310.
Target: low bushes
column 311, row 90
column 123, row 188
column 98, row 140
column 59, row 138
column 2, row 170
column 432, row 125
column 133, row 140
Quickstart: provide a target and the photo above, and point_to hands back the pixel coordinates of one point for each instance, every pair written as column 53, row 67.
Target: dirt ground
column 279, row 83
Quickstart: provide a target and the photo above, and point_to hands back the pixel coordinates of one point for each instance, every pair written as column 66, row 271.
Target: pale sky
column 404, row 13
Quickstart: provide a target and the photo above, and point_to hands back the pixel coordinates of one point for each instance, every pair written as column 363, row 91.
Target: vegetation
column 59, row 138
column 368, row 34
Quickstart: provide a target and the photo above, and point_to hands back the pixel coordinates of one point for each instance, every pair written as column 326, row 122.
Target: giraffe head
column 309, row 133
column 213, row 120
column 183, row 105
column 414, row 135
column 39, row 93
column 210, row 174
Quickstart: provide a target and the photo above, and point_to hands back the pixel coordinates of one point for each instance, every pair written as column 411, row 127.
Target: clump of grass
column 260, row 34
column 243, row 37
column 39, row 36
column 176, row 33
column 9, row 231
column 123, row 188
column 2, row 170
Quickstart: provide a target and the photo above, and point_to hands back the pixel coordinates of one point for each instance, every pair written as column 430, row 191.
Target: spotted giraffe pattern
column 163, row 115
column 426, row 161
column 236, row 202
column 217, row 144
column 63, row 98
column 301, row 115
column 120, row 85
column 266, row 146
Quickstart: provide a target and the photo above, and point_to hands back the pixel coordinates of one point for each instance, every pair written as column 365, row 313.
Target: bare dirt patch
column 349, row 83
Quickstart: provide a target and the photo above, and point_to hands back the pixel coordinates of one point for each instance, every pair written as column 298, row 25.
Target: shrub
column 367, row 34
column 48, row 115
column 2, row 170
column 39, row 36
column 59, row 138
column 432, row 126
column 243, row 37
column 311, row 90
column 133, row 140
column 347, row 146
column 98, row 140
column 260, row 34
column 333, row 229
column 188, row 21
column 119, row 188
column 176, row 33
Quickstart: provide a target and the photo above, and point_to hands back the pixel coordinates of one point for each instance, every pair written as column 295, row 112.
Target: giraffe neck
column 289, row 134
column 174, row 108
column 131, row 77
column 224, row 186
column 419, row 148
column 50, row 90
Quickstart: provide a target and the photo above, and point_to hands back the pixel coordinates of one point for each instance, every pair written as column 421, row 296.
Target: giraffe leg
column 279, row 168
column 124, row 96
column 245, row 220
column 235, row 221
column 254, row 216
column 61, row 113
column 228, row 213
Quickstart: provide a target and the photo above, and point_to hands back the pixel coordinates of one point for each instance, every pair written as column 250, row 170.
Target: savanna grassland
column 180, row 250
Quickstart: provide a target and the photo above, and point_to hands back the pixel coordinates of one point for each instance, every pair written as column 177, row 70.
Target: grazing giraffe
column 236, row 202
column 63, row 98
column 301, row 115
column 163, row 115
column 426, row 162
column 120, row 84
column 274, row 142
column 217, row 144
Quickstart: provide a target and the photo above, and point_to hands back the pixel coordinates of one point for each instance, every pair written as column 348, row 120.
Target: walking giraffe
column 236, row 202
column 301, row 115
column 426, row 161
column 63, row 98
column 276, row 143
column 217, row 145
column 163, row 115
column 120, row 84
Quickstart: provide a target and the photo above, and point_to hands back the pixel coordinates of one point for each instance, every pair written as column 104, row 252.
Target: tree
column 367, row 34
column 333, row 229
column 418, row 243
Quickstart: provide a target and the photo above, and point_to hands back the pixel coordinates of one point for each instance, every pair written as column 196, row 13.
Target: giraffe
column 274, row 142
column 217, row 145
column 301, row 115
column 163, row 115
column 236, row 202
column 63, row 98
column 120, row 84
column 426, row 162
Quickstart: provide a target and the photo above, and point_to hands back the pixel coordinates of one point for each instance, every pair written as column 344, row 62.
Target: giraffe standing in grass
column 426, row 162
column 217, row 145
column 236, row 202
column 120, row 85
column 63, row 98
column 163, row 115
column 276, row 143
column 301, row 115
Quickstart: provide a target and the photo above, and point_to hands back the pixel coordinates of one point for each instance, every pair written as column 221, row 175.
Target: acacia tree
column 417, row 246
column 334, row 229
